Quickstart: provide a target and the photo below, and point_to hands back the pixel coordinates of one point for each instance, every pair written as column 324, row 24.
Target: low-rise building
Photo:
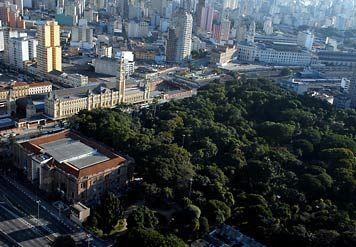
column 337, row 58
column 105, row 65
column 222, row 55
column 67, row 102
column 277, row 53
column 79, row 213
column 39, row 88
column 74, row 80
column 15, row 90
column 302, row 86
column 108, row 66
column 226, row 235
column 145, row 54
column 69, row 165
column 197, row 44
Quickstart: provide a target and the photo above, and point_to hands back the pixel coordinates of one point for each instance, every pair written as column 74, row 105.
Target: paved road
column 23, row 202
column 19, row 230
column 4, row 242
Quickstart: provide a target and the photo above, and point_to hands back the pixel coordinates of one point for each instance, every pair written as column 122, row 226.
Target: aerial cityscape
column 203, row 123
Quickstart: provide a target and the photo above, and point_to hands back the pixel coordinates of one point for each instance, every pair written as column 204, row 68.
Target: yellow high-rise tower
column 49, row 51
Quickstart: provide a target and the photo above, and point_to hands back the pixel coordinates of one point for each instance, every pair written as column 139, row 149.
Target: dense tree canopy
column 279, row 166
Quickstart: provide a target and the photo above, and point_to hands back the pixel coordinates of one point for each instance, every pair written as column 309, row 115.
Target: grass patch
column 120, row 226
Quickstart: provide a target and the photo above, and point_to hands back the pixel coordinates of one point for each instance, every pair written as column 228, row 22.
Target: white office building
column 18, row 52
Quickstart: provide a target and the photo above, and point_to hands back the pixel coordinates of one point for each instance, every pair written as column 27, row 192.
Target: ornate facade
column 15, row 90
column 66, row 103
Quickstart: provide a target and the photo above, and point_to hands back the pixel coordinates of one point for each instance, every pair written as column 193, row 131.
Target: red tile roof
column 39, row 84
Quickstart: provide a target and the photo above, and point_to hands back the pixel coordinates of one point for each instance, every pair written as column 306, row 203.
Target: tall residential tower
column 49, row 51
column 179, row 44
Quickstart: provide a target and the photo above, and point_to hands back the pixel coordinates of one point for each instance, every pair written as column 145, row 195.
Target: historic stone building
column 65, row 103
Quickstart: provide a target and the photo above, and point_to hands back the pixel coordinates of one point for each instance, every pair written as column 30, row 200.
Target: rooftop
column 73, row 153
column 81, row 91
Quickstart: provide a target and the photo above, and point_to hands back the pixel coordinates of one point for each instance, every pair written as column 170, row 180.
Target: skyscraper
column 187, row 5
column 184, row 42
column 49, row 51
column 199, row 10
column 179, row 42
column 207, row 16
column 225, row 30
column 171, row 45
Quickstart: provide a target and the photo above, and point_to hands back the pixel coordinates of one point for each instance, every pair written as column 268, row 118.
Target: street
column 18, row 229
column 4, row 242
column 18, row 218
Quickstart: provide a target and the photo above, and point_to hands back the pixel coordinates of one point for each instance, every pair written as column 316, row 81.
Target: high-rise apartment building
column 129, row 63
column 72, row 9
column 49, row 51
column 352, row 91
column 82, row 36
column 18, row 52
column 221, row 31
column 199, row 11
column 7, row 34
column 250, row 38
column 179, row 44
column 32, row 48
column 171, row 45
column 11, row 15
column 225, row 30
column 207, row 17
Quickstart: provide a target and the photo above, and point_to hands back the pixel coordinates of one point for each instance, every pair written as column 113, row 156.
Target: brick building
column 69, row 165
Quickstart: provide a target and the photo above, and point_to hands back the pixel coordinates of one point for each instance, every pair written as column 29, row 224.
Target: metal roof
column 73, row 152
